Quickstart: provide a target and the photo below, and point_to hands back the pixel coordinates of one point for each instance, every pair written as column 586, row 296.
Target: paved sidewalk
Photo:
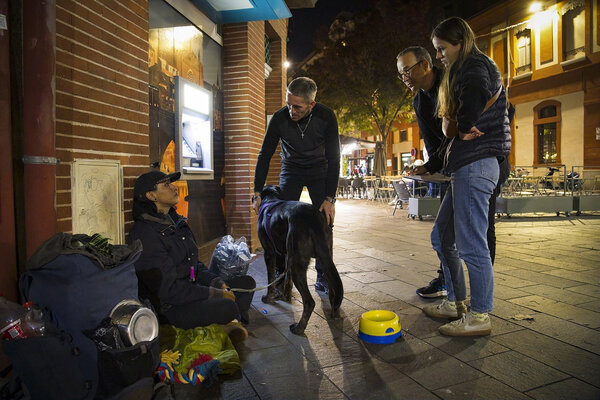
column 545, row 341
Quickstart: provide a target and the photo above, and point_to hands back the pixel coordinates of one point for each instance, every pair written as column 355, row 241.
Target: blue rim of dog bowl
column 379, row 339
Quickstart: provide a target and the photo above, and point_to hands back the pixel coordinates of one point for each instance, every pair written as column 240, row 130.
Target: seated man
column 182, row 290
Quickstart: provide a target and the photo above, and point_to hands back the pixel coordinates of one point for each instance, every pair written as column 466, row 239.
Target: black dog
column 299, row 231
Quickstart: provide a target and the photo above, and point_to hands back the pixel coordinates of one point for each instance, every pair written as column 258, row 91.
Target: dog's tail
column 323, row 250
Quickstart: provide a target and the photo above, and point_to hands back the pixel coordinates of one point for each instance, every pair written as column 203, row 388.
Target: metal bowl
column 135, row 322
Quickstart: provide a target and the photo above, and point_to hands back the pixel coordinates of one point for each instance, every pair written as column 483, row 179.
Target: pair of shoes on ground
column 236, row 331
column 466, row 323
column 321, row 284
column 436, row 288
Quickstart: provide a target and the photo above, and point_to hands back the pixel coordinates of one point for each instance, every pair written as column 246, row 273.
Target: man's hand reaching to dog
column 329, row 209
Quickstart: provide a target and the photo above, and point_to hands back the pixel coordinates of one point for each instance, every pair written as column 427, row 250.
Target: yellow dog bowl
column 379, row 326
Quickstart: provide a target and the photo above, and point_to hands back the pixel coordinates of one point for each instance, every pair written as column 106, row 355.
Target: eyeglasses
column 406, row 73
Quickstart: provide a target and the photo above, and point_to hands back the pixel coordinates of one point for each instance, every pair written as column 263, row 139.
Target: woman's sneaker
column 446, row 309
column 471, row 324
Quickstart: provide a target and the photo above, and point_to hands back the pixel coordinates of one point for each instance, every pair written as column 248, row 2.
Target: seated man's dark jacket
column 169, row 254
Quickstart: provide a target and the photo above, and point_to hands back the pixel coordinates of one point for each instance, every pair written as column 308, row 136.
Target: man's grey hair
column 420, row 53
column 303, row 87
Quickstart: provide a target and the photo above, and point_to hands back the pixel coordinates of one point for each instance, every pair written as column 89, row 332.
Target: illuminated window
column 546, row 123
column 574, row 33
column 523, row 51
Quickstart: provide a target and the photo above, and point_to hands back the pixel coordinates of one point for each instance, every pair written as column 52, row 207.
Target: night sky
column 304, row 22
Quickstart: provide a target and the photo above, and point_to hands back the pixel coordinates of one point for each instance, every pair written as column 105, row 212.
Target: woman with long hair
column 472, row 103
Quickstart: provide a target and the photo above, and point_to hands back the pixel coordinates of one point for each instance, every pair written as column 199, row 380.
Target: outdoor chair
column 359, row 186
column 402, row 194
column 343, row 187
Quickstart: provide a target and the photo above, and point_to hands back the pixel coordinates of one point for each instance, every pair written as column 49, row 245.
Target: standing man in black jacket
column 416, row 70
column 310, row 154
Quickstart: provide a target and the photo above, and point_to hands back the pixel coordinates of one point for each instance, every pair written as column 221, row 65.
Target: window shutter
column 546, row 42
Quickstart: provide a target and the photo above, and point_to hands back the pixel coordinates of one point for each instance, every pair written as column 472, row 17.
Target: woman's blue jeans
column 463, row 218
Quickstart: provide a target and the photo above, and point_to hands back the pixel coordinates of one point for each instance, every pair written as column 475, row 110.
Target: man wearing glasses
column 417, row 71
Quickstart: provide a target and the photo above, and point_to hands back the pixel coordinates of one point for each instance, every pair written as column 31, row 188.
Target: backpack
column 78, row 284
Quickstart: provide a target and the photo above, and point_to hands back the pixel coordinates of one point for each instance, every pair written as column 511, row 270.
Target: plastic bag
column 231, row 259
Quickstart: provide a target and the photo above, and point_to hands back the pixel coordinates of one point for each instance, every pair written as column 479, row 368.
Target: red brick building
column 90, row 96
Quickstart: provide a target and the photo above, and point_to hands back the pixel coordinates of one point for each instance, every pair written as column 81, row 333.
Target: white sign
column 97, row 198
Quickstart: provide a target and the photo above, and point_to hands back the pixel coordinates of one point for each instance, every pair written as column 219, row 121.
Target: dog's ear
column 277, row 192
column 268, row 191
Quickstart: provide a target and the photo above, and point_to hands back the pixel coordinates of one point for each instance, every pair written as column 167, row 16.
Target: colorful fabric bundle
column 194, row 356
column 202, row 370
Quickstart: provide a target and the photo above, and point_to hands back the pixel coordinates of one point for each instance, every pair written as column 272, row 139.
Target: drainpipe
column 33, row 133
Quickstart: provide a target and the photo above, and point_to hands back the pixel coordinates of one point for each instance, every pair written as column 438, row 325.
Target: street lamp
column 535, row 7
column 286, row 64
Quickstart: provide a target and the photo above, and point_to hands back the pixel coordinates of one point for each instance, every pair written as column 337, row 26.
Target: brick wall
column 244, row 101
column 247, row 101
column 276, row 84
column 101, row 92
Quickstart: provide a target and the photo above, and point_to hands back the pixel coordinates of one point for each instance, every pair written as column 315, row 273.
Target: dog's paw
column 268, row 299
column 336, row 314
column 297, row 329
column 282, row 297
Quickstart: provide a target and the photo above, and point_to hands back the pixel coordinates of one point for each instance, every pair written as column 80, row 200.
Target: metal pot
column 135, row 322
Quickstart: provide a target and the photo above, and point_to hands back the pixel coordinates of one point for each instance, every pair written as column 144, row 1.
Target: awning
column 350, row 144
column 229, row 11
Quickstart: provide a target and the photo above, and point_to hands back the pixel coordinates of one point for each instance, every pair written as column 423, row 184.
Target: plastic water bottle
column 33, row 323
column 11, row 315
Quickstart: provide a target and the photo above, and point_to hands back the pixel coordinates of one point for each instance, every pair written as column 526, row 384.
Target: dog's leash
column 262, row 287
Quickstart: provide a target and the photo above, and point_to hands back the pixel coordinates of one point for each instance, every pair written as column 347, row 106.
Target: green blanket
column 210, row 340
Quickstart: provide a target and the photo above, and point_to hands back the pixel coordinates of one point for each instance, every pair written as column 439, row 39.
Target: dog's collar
column 266, row 204
column 267, row 219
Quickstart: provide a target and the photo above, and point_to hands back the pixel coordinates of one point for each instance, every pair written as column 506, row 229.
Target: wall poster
column 97, row 198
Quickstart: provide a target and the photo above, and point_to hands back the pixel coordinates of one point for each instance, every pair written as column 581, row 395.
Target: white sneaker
column 446, row 309
column 471, row 324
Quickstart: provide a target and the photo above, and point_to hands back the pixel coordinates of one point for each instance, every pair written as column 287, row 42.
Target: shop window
column 546, row 123
column 573, row 28
column 523, row 39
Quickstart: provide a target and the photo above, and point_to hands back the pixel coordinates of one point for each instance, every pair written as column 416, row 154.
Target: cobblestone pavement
column 545, row 341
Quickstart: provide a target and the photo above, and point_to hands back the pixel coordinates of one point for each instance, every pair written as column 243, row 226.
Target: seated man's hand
column 228, row 294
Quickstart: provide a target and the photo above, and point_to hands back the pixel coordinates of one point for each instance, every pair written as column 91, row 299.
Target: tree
column 356, row 64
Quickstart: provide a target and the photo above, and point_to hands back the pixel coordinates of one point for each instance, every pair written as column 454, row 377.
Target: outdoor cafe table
column 429, row 178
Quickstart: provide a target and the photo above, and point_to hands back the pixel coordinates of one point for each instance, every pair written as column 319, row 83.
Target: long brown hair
column 453, row 30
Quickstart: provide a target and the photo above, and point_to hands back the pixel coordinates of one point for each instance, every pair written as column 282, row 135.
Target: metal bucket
column 135, row 322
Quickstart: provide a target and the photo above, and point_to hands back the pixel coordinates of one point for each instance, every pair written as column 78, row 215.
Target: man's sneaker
column 321, row 284
column 435, row 289
column 471, row 324
column 446, row 309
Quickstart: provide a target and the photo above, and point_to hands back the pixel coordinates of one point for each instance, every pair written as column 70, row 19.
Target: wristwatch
column 330, row 199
